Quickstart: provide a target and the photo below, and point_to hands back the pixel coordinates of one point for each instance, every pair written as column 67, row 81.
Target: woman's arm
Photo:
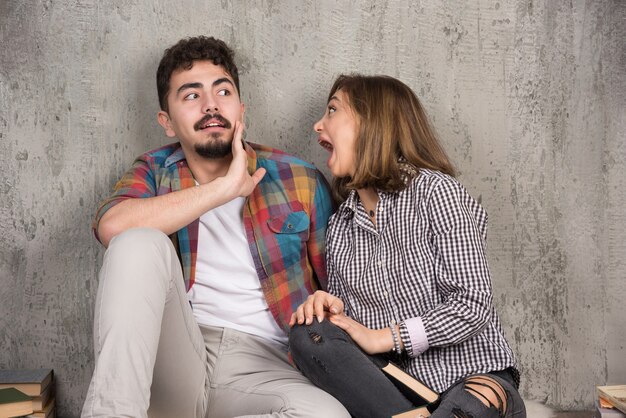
column 458, row 225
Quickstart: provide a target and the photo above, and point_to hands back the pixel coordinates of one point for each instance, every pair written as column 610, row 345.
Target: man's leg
column 327, row 355
column 149, row 350
column 253, row 378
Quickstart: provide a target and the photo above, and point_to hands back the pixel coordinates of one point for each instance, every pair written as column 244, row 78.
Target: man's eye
column 191, row 96
column 223, row 92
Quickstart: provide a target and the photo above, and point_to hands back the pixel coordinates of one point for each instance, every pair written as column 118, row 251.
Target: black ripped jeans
column 332, row 361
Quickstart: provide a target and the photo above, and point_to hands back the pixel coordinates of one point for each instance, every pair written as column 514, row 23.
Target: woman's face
column 337, row 134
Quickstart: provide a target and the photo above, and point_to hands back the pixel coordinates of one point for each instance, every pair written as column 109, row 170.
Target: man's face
column 203, row 107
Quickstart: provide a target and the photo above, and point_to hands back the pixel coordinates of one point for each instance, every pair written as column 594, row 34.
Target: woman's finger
column 300, row 314
column 308, row 309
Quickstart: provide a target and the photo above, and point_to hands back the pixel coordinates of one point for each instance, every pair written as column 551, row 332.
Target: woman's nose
column 317, row 126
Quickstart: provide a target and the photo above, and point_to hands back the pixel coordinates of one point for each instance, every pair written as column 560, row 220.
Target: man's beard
column 215, row 148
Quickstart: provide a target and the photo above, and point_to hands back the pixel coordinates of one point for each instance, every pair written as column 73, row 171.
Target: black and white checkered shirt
column 423, row 266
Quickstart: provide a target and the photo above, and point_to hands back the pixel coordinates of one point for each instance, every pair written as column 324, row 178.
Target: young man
column 195, row 325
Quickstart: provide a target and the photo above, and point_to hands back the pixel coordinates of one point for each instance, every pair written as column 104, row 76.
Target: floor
column 537, row 410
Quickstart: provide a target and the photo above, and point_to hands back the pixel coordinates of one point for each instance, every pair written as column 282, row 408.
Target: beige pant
column 152, row 358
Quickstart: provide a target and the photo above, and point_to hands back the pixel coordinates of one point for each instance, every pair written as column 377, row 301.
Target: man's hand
column 237, row 176
column 372, row 341
column 172, row 211
column 316, row 304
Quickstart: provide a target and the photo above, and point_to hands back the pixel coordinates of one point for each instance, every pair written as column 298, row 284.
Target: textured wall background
column 529, row 96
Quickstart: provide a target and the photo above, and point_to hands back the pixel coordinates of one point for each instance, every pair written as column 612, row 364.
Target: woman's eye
column 223, row 92
column 331, row 110
column 191, row 96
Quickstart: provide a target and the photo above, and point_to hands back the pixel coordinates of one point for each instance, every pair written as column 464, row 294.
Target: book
column 607, row 412
column 31, row 382
column 615, row 395
column 40, row 401
column 14, row 403
column 414, row 390
column 604, row 403
column 49, row 411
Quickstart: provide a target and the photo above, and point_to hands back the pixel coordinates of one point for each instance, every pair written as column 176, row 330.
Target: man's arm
column 167, row 213
column 173, row 211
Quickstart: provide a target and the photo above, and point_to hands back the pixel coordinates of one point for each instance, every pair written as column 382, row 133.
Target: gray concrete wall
column 528, row 96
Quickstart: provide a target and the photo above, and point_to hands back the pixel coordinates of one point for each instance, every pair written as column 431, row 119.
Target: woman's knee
column 302, row 339
column 315, row 338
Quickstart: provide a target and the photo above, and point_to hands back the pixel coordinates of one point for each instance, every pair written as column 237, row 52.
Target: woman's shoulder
column 447, row 198
column 428, row 181
column 432, row 185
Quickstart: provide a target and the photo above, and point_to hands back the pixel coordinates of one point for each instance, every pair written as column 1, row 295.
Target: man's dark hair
column 185, row 52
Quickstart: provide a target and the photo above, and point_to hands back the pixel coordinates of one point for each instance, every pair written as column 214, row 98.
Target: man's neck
column 206, row 170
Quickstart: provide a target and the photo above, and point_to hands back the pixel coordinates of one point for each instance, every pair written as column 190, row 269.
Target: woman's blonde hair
column 394, row 137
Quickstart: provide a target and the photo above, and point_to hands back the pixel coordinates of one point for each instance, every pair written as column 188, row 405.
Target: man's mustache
column 198, row 125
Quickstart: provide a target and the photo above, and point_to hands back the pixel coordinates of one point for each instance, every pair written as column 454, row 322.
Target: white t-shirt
column 227, row 292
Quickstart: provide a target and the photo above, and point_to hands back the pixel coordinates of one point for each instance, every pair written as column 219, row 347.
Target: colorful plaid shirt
column 285, row 219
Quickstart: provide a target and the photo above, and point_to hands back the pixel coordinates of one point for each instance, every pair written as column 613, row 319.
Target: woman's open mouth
column 325, row 144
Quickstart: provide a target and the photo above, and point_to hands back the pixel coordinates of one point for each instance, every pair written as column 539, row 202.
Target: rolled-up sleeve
column 137, row 182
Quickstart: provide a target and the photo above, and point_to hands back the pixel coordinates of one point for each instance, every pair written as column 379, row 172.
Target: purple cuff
column 413, row 336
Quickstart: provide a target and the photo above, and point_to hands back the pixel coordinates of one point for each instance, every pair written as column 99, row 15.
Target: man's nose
column 210, row 106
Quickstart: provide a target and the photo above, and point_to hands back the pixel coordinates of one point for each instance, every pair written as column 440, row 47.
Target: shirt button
column 380, row 263
column 385, row 293
column 289, row 226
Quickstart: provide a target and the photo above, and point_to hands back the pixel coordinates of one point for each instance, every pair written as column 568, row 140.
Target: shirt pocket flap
column 289, row 223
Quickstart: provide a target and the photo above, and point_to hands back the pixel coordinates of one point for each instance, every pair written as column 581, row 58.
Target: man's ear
column 166, row 123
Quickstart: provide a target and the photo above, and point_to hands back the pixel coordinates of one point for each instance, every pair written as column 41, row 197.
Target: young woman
column 408, row 275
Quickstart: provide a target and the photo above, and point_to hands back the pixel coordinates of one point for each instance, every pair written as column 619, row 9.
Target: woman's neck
column 369, row 199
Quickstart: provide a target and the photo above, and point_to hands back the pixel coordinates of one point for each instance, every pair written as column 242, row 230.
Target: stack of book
column 14, row 403
column 37, row 385
column 611, row 402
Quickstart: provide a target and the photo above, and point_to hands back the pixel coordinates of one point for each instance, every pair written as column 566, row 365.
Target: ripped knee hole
column 315, row 337
column 488, row 391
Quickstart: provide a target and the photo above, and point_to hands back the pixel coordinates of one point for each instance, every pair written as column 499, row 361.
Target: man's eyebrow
column 197, row 85
column 188, row 86
column 222, row 80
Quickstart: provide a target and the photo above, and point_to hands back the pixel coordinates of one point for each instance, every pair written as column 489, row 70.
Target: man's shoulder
column 163, row 152
column 279, row 157
column 160, row 156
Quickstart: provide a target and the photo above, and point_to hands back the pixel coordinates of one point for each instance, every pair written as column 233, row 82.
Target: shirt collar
column 176, row 156
column 252, row 160
column 349, row 207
